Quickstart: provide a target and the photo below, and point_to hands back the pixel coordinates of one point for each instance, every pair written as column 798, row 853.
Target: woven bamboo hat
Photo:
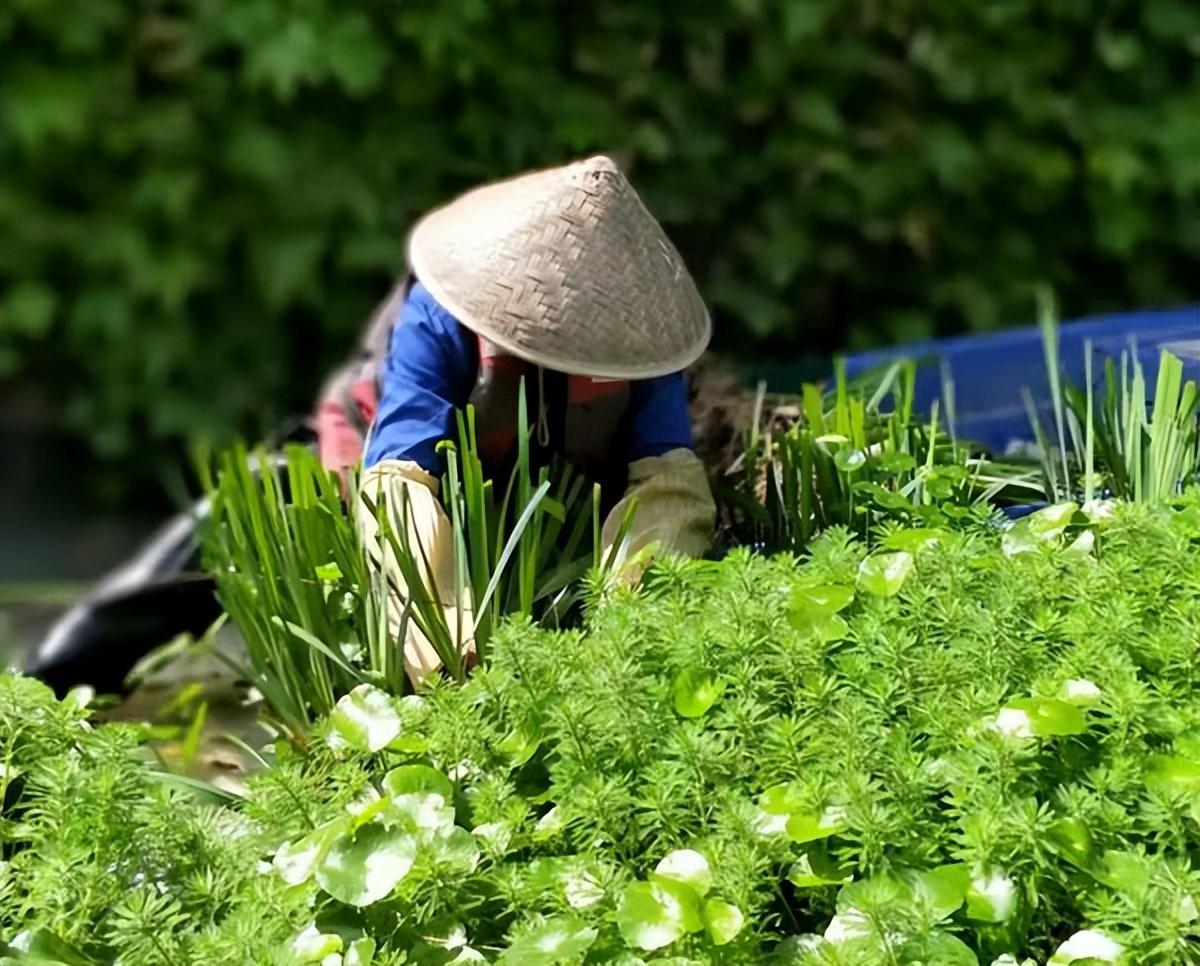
column 568, row 270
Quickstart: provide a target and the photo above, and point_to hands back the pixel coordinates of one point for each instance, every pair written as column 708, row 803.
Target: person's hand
column 420, row 656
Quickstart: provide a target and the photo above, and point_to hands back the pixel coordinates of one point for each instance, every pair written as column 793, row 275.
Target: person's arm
column 427, row 376
column 673, row 504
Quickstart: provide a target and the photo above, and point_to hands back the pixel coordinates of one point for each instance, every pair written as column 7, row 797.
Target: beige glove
column 674, row 511
column 394, row 482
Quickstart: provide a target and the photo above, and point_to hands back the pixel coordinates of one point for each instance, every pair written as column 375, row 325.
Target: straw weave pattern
column 567, row 269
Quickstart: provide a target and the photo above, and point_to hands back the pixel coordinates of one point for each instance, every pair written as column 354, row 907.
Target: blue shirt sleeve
column 660, row 421
column 427, row 376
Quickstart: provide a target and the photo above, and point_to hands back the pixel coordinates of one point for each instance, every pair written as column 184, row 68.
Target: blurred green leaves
column 202, row 202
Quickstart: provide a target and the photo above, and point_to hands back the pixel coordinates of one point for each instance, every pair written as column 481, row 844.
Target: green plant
column 949, row 747
column 522, row 553
column 103, row 853
column 293, row 573
column 857, row 454
column 1112, row 445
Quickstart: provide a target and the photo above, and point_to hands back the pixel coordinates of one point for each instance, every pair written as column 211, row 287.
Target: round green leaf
column 520, row 744
column 365, row 719
column 1038, row 528
column 942, row 890
column 811, row 826
column 991, row 898
column 1071, row 839
column 914, row 539
column 940, row 948
column 562, row 939
column 418, row 779
column 364, row 867
column 359, row 953
column 296, row 861
column 457, row 850
column 696, row 690
column 312, row 945
column 687, row 867
column 423, row 814
column 1126, row 872
column 780, row 800
column 1050, row 716
column 651, row 915
column 849, row 459
column 1174, row 775
column 883, row 574
column 816, row 868
column 1088, row 946
column 723, row 921
column 820, row 601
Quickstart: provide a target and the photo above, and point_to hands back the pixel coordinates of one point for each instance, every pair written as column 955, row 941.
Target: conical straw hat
column 568, row 270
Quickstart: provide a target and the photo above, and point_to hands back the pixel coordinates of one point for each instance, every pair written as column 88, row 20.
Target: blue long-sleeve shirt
column 430, row 372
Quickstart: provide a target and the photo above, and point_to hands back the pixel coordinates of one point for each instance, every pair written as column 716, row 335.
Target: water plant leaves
column 561, row 939
column 1072, row 840
column 821, row 600
column 1043, row 526
column 1049, row 717
column 1174, row 775
column 312, row 945
column 423, row 814
column 942, row 890
column 913, row 539
column 651, row 915
column 814, row 610
column 848, row 459
column 884, row 498
column 696, row 690
column 296, row 861
column 1087, row 946
column 365, row 866
column 780, row 800
column 883, row 574
column 940, row 948
column 359, row 953
column 685, row 866
column 811, row 826
column 1127, row 872
column 722, row 921
column 365, row 719
column 816, row 868
column 991, row 898
column 520, row 744
column 897, row 462
column 416, row 779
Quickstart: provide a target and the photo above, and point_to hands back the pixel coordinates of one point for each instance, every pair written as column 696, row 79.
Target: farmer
column 560, row 278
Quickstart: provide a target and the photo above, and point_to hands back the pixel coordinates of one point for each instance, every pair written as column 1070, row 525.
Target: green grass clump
column 944, row 748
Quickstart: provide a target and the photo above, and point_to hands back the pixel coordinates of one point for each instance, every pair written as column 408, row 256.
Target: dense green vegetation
column 202, row 200
column 938, row 747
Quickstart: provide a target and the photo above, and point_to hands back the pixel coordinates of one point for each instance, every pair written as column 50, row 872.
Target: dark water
column 58, row 531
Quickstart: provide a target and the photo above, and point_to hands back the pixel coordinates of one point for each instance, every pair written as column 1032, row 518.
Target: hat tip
column 600, row 163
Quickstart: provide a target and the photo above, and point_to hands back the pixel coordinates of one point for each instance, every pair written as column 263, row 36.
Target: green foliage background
column 202, row 199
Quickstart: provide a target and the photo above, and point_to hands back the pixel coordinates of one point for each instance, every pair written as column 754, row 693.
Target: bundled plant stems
column 293, row 571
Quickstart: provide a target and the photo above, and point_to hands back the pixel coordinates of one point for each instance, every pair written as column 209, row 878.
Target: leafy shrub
column 102, row 853
column 165, row 276
column 941, row 754
column 1024, row 719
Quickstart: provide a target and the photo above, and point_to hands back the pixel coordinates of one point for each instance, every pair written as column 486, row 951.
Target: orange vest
column 594, row 410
